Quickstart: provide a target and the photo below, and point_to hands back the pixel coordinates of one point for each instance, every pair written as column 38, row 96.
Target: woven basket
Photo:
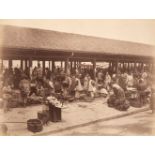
column 34, row 125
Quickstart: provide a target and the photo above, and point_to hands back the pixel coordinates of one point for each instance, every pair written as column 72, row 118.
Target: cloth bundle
column 54, row 101
column 35, row 100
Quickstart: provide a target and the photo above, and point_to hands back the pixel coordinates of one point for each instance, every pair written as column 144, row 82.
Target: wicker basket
column 34, row 125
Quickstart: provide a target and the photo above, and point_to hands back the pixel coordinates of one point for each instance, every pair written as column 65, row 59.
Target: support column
column 135, row 66
column 128, row 65
column 116, row 66
column 21, row 64
column 142, row 66
column 1, row 64
column 153, row 67
column 74, row 64
column 66, row 65
column 123, row 67
column 112, row 68
column 43, row 67
column 109, row 66
column 80, row 66
column 10, row 63
column 30, row 62
column 25, row 64
column 94, row 69
column 30, row 67
column 53, row 65
column 49, row 65
column 77, row 64
column 61, row 64
column 71, row 63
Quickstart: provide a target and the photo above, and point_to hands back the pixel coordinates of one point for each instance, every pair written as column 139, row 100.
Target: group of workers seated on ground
column 77, row 85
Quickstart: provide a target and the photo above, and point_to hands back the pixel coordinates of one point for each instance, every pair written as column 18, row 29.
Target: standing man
column 39, row 72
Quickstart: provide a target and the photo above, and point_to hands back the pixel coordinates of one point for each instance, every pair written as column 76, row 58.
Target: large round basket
column 34, row 125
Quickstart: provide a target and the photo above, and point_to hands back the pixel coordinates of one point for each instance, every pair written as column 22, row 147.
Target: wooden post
column 142, row 66
column 77, row 64
column 151, row 67
column 66, row 65
column 135, row 66
column 94, row 69
column 110, row 70
column 25, row 64
column 43, row 67
column 74, row 64
column 112, row 67
column 71, row 63
column 53, row 65
column 109, row 66
column 128, row 67
column 30, row 67
column 21, row 64
column 61, row 64
column 1, row 64
column 10, row 63
column 116, row 66
column 30, row 62
column 123, row 66
column 80, row 66
column 49, row 65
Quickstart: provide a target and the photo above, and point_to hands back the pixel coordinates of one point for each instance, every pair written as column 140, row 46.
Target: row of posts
column 51, row 64
column 130, row 66
column 113, row 66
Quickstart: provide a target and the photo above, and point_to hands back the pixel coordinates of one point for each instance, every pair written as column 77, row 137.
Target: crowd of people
column 121, row 87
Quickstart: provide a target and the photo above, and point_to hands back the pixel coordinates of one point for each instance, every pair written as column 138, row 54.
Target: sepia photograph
column 77, row 77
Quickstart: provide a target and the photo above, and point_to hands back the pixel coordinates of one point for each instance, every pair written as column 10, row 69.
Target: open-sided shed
column 27, row 44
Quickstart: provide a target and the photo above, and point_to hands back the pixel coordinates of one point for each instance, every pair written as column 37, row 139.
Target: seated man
column 24, row 87
column 143, row 91
column 117, row 99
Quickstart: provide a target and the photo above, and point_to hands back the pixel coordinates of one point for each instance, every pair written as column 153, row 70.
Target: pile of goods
column 54, row 108
column 54, row 101
column 35, row 100
column 51, row 112
column 15, row 100
column 11, row 99
column 137, row 98
column 103, row 92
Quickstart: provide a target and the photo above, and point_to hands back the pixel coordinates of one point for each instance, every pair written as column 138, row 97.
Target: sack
column 136, row 103
column 88, row 99
column 71, row 99
column 35, row 100
column 44, row 116
column 123, row 107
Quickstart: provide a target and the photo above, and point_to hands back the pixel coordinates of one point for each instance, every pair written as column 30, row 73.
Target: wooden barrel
column 55, row 113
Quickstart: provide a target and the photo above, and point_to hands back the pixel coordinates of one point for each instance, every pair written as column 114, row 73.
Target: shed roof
column 22, row 37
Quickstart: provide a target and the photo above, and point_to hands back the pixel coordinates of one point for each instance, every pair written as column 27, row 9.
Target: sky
column 142, row 31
